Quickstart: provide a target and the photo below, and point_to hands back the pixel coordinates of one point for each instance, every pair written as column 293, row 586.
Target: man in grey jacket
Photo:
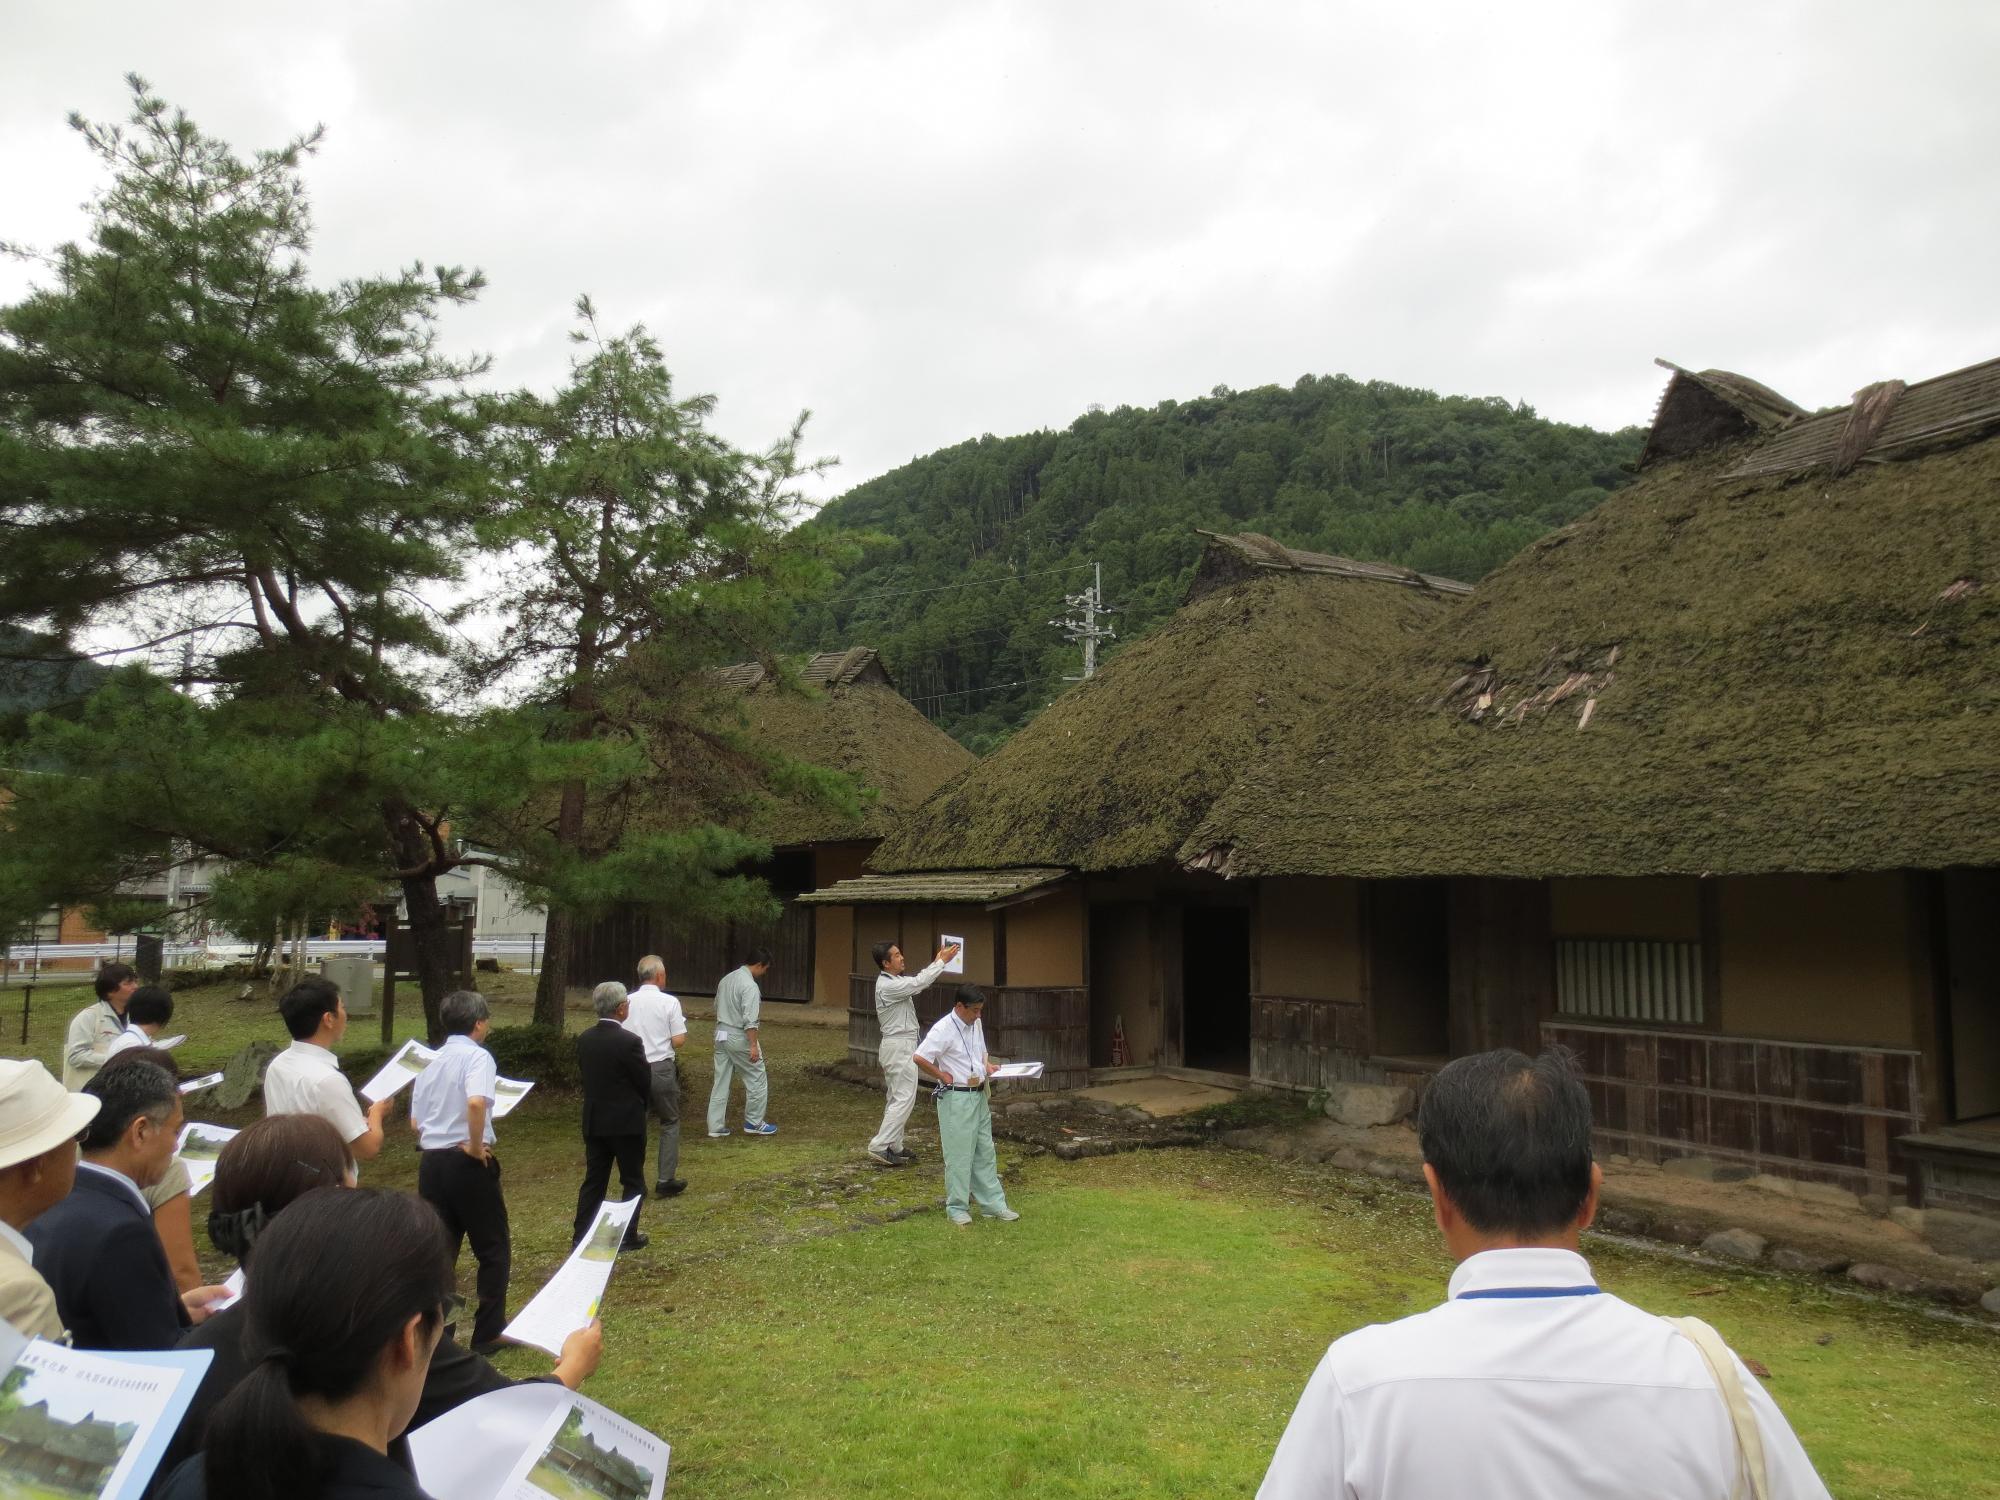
column 896, row 1011
column 737, row 1048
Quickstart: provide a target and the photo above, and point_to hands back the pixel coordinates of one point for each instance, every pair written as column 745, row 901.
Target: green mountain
column 982, row 540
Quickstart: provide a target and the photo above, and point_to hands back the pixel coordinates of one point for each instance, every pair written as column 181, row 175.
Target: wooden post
column 385, row 913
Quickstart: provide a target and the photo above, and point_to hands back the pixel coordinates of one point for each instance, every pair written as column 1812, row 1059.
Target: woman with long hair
column 351, row 1293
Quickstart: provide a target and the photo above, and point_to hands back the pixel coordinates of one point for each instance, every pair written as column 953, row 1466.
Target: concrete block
column 1736, row 1244
column 1368, row 1103
column 1974, row 1236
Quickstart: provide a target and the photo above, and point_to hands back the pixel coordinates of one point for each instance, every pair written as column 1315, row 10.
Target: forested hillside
column 1446, row 484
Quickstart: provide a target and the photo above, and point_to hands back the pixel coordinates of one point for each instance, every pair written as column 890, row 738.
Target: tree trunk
column 552, row 987
column 430, row 943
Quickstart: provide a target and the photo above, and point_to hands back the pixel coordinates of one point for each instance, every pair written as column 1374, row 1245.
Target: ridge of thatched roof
column 1705, row 408
column 1886, row 421
column 1118, row 770
column 1226, row 559
column 1706, row 674
column 824, row 669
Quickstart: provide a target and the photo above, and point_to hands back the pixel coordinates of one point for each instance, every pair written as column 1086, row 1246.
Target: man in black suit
column 98, row 1248
column 616, row 1087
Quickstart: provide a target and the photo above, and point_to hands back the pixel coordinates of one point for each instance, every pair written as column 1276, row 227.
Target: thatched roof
column 1708, row 673
column 989, row 888
column 1117, row 771
column 852, row 720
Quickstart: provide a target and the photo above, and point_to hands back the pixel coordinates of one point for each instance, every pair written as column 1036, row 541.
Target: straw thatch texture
column 1117, row 771
column 1705, row 674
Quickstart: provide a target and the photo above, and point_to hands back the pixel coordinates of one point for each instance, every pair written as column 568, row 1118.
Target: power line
column 992, row 687
column 977, row 583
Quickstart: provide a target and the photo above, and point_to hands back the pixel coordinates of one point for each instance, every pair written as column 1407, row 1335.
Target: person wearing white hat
column 39, row 1123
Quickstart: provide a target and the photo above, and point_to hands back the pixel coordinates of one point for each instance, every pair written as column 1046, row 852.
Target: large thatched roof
column 851, row 719
column 1721, row 669
column 1117, row 771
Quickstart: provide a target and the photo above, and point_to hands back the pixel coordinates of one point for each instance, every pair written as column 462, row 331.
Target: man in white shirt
column 1530, row 1380
column 451, row 1106
column 954, row 1053
column 305, row 1079
column 657, row 1019
column 93, row 1029
column 896, row 1013
column 146, row 1016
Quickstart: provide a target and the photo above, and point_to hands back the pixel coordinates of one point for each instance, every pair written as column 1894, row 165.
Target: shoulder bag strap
column 1749, row 1440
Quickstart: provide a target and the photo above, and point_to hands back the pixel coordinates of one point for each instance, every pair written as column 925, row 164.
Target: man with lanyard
column 94, row 1028
column 954, row 1053
column 305, row 1079
column 656, row 1018
column 1543, row 1383
column 896, row 1012
column 451, row 1108
column 737, row 1050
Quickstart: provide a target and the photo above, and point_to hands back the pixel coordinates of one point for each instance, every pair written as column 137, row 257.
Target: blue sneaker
column 767, row 1128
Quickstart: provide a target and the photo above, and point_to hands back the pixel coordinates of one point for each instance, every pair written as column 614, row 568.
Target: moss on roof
column 1120, row 769
column 1705, row 674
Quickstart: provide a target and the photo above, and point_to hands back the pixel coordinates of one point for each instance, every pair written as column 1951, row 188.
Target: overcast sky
column 927, row 221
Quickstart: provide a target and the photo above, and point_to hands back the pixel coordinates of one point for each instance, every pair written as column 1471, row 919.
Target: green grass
column 804, row 1322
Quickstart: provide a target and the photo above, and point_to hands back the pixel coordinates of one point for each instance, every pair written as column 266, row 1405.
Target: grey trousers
column 666, row 1105
column 732, row 1060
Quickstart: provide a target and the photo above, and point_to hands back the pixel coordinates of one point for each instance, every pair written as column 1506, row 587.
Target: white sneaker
column 1004, row 1215
column 963, row 1221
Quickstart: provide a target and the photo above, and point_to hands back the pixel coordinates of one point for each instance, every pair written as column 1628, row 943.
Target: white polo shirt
column 125, row 1041
column 461, row 1072
column 305, row 1079
column 956, row 1047
column 656, row 1019
column 1529, row 1383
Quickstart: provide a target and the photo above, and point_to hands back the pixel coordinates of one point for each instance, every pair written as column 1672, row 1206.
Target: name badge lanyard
column 965, row 1041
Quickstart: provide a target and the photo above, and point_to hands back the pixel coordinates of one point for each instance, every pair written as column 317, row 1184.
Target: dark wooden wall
column 1502, row 964
column 1826, row 1114
column 1309, row 1044
column 1049, row 1026
column 697, row 953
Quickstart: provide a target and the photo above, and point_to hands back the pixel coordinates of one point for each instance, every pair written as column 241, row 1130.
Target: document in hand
column 398, row 1072
column 168, row 1043
column 199, row 1147
column 508, row 1092
column 536, row 1442
column 105, row 1422
column 956, row 963
column 1018, row 1070
column 206, row 1081
column 570, row 1299
column 233, row 1286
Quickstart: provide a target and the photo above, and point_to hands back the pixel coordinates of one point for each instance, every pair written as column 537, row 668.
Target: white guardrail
column 25, row 959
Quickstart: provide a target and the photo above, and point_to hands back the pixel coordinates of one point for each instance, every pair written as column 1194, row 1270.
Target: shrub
column 546, row 1055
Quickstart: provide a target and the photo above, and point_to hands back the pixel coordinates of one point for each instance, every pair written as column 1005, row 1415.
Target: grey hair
column 607, row 997
column 652, row 966
column 461, row 1011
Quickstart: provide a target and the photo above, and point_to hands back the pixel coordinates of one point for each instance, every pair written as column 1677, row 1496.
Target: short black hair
column 752, row 957
column 880, row 952
column 111, row 976
column 150, row 1005
column 1509, row 1138
column 305, row 1002
column 124, row 1094
column 968, row 994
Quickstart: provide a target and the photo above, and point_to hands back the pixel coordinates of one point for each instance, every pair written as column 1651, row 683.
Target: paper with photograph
column 91, row 1424
column 199, row 1147
column 956, row 963
column 206, row 1081
column 1018, row 1070
column 399, row 1072
column 508, row 1092
column 570, row 1299
column 538, row 1442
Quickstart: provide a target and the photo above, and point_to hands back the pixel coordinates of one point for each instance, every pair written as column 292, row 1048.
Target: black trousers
column 467, row 1196
column 599, row 1151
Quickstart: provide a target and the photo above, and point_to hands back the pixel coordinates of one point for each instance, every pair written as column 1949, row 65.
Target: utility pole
column 1087, row 608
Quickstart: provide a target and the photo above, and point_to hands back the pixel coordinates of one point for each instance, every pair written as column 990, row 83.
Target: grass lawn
column 804, row 1322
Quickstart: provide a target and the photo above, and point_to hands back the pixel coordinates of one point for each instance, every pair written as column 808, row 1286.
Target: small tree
column 644, row 551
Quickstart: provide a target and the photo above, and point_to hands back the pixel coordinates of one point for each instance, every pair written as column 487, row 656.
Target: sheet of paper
column 956, row 963
column 234, row 1286
column 168, row 1043
column 196, row 1085
column 508, row 1092
column 199, row 1147
column 1018, row 1070
column 114, row 1412
column 399, row 1072
column 492, row 1446
column 570, row 1298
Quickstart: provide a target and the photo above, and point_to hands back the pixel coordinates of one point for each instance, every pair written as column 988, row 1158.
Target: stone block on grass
column 1368, row 1103
column 1736, row 1244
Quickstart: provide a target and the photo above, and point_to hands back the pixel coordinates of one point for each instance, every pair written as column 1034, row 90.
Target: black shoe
column 903, row 1158
column 636, row 1241
column 672, row 1188
column 490, row 1348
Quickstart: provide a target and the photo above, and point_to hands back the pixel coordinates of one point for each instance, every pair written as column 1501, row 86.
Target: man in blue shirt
column 451, row 1107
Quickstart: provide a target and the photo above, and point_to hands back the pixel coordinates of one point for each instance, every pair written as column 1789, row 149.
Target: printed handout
column 91, row 1424
column 1018, row 1070
column 199, row 1147
column 233, row 1286
column 569, row 1300
column 508, row 1092
column 168, row 1043
column 538, row 1442
column 398, row 1072
column 956, row 963
column 206, row 1081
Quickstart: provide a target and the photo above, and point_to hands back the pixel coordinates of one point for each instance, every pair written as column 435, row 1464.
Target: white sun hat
column 37, row 1114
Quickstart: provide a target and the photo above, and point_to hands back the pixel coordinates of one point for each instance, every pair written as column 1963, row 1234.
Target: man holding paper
column 896, row 1013
column 954, row 1053
column 305, row 1079
column 458, row 1174
column 616, row 1086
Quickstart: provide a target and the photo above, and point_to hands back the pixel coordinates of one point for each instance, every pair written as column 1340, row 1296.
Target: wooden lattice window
column 1630, row 979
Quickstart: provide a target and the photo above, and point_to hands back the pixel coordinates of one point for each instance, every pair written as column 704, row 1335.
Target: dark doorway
column 1972, row 959
column 1409, row 968
column 1215, row 975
